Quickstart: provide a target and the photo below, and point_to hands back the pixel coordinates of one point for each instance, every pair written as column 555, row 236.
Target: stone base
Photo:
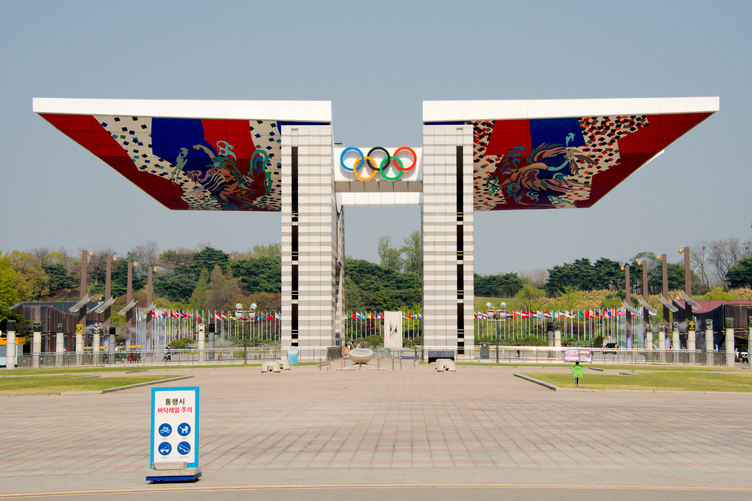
column 172, row 472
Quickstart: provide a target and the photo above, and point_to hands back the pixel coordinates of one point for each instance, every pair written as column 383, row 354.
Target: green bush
column 182, row 343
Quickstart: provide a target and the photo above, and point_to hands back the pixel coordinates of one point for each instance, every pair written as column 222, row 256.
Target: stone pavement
column 408, row 432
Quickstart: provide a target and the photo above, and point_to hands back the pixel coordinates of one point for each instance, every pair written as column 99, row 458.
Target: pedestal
column 59, row 348
column 730, row 348
column 10, row 353
column 709, row 355
column 36, row 349
column 95, row 349
column 79, row 348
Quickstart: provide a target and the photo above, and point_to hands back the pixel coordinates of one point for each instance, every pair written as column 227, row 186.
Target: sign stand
column 174, row 435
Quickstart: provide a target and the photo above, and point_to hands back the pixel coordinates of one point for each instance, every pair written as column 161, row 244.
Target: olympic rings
column 400, row 170
column 373, row 166
column 385, row 163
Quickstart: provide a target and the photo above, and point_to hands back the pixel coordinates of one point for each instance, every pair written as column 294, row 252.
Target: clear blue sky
column 377, row 62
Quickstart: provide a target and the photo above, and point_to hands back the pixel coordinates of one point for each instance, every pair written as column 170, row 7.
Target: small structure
column 361, row 355
column 270, row 366
column 446, row 365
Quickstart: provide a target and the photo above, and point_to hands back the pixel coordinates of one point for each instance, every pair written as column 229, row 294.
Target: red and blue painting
column 559, row 163
column 188, row 163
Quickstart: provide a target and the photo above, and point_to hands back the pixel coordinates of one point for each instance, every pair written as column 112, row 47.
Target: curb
column 538, row 381
column 148, row 383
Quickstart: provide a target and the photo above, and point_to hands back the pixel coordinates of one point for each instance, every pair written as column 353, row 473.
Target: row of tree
column 208, row 278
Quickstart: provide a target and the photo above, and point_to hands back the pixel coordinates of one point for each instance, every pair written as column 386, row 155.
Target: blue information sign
column 174, row 410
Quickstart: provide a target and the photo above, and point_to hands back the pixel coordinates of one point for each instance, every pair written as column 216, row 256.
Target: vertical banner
column 174, row 425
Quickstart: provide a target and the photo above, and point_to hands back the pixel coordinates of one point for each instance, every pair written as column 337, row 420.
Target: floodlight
column 489, row 306
column 238, row 306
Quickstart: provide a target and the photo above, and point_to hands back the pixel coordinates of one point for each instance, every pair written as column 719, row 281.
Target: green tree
column 528, row 299
column 59, row 279
column 176, row 257
column 390, row 257
column 8, row 292
column 198, row 297
column 209, row 258
column 222, row 291
column 31, row 280
column 176, row 284
column 413, row 251
column 740, row 275
column 120, row 278
column 260, row 274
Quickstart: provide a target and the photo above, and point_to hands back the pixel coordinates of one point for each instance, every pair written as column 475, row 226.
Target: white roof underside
column 447, row 111
column 294, row 111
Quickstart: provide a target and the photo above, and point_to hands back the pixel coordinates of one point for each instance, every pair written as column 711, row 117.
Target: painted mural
column 217, row 164
column 188, row 164
column 562, row 163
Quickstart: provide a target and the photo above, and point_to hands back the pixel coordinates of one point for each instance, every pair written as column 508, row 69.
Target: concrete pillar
column 212, row 341
column 557, row 343
column 662, row 344
column 730, row 348
column 36, row 348
column 201, row 347
column 79, row 344
column 111, row 342
column 648, row 341
column 10, row 353
column 709, row 356
column 59, row 346
column 95, row 345
column 691, row 344
column 447, row 228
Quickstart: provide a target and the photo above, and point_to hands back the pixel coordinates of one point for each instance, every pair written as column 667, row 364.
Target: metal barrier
column 235, row 356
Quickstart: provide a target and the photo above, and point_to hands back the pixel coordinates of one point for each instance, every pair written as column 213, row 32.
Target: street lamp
column 239, row 313
column 502, row 308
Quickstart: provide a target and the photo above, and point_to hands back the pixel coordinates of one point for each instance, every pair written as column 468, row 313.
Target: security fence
column 239, row 355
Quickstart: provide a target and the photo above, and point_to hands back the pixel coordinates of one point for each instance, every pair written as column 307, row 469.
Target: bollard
column 662, row 344
column 79, row 344
column 10, row 354
column 709, row 356
column 36, row 345
column 97, row 332
column 675, row 341
column 691, row 341
column 59, row 342
column 557, row 344
column 111, row 341
column 201, row 343
column 730, row 348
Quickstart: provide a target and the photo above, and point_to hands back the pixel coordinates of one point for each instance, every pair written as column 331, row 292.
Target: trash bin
column 484, row 351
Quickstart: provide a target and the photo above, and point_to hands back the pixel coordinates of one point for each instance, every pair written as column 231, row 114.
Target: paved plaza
column 410, row 433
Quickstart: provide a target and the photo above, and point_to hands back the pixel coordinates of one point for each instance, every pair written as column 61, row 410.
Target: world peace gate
column 280, row 156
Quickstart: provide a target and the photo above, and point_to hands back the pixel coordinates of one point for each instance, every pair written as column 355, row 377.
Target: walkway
column 478, row 427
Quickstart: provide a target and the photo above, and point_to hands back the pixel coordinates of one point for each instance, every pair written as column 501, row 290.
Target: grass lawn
column 58, row 384
column 668, row 368
column 122, row 368
column 655, row 380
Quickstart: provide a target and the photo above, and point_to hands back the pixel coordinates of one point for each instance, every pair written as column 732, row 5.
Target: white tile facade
column 447, row 309
column 320, row 248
